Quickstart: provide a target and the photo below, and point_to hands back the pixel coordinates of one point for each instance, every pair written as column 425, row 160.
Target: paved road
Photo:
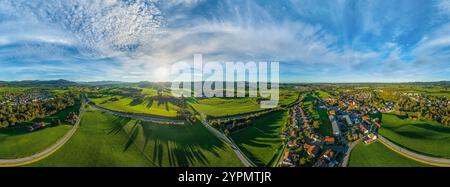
column 138, row 116
column 415, row 156
column 247, row 162
column 134, row 116
column 348, row 152
column 47, row 152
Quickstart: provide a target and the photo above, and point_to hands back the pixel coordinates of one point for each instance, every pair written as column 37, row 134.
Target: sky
column 139, row 40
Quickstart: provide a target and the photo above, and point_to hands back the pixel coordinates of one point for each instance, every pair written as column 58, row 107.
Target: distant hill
column 103, row 83
column 39, row 83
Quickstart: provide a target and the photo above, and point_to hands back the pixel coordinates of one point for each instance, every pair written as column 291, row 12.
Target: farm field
column 261, row 142
column 125, row 104
column 426, row 137
column 323, row 94
column 106, row 140
column 220, row 107
column 377, row 155
column 18, row 142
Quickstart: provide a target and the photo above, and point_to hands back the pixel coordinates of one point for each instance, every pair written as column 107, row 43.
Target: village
column 27, row 97
column 19, row 109
column 351, row 119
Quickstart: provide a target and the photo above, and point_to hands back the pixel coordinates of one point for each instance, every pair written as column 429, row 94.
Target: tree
column 316, row 124
column 4, row 124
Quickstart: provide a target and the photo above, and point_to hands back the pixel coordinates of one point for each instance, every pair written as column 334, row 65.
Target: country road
column 247, row 162
column 415, row 156
column 349, row 151
column 137, row 116
column 46, row 152
column 142, row 117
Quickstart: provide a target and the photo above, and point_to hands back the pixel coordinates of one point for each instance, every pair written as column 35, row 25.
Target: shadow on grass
column 174, row 146
column 264, row 136
column 120, row 123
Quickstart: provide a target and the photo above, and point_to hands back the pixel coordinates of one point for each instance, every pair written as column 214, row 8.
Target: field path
column 442, row 162
column 46, row 152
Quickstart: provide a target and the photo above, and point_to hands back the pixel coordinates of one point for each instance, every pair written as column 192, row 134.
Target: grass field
column 426, row 137
column 325, row 124
column 377, row 155
column 323, row 94
column 125, row 104
column 18, row 142
column 106, row 140
column 319, row 115
column 218, row 107
column 261, row 143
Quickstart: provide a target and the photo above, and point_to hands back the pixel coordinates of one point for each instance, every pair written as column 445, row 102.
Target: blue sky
column 314, row 41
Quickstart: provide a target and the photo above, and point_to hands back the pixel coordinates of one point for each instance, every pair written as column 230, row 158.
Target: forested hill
column 39, row 83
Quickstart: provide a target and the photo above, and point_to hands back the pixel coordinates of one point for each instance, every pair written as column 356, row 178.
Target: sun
column 161, row 74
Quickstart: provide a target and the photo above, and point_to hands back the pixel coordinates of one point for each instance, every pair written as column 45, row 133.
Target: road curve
column 442, row 162
column 247, row 162
column 46, row 152
column 349, row 151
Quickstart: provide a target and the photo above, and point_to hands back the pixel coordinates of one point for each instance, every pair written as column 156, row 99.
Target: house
column 36, row 126
column 331, row 112
column 370, row 138
column 329, row 140
column 328, row 155
column 292, row 143
column 311, row 150
column 363, row 129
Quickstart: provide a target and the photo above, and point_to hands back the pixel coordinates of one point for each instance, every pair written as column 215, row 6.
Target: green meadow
column 125, row 104
column 426, row 137
column 107, row 140
column 378, row 155
column 18, row 142
column 319, row 115
column 219, row 107
column 261, row 142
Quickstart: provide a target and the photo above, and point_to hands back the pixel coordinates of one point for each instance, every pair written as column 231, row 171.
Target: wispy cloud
column 314, row 40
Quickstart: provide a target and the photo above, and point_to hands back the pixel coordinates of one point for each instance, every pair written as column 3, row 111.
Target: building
column 330, row 140
column 334, row 126
column 311, row 150
column 370, row 138
column 348, row 120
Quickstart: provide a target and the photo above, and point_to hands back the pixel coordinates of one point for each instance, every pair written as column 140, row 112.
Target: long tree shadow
column 149, row 103
column 120, row 123
column 264, row 135
column 177, row 145
column 134, row 133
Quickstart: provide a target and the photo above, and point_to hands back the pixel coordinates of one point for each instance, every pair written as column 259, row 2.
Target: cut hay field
column 18, row 142
column 261, row 142
column 425, row 137
column 106, row 140
column 125, row 104
column 377, row 155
